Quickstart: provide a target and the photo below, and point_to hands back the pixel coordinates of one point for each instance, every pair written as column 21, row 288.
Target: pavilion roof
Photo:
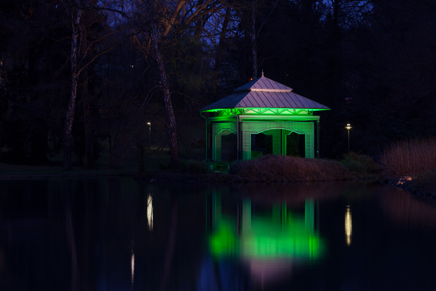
column 264, row 93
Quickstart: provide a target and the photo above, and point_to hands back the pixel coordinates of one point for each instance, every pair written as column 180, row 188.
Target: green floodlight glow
column 265, row 111
column 267, row 240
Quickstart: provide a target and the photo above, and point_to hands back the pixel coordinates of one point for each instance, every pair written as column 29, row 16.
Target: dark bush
column 286, row 168
column 194, row 167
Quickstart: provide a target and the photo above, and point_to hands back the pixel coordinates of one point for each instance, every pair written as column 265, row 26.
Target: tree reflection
column 403, row 208
column 171, row 242
column 71, row 238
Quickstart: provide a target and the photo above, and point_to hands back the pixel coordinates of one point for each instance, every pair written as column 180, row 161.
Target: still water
column 123, row 234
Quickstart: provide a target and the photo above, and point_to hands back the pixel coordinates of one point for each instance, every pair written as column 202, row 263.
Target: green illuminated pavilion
column 261, row 106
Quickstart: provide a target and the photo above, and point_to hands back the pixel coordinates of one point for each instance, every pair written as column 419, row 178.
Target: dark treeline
column 83, row 77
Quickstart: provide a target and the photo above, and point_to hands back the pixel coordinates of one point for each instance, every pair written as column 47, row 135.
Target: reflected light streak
column 132, row 266
column 348, row 225
column 150, row 212
column 270, row 270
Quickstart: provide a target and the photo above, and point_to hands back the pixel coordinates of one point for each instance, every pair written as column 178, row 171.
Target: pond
column 123, row 234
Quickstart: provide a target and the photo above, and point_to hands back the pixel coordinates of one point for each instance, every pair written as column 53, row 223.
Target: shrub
column 194, row 167
column 272, row 167
column 360, row 164
column 410, row 156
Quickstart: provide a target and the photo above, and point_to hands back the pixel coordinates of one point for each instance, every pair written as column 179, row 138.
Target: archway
column 296, row 144
column 261, row 145
column 224, row 145
column 229, row 151
column 278, row 141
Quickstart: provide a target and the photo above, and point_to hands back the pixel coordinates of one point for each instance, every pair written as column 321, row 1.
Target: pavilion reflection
column 268, row 240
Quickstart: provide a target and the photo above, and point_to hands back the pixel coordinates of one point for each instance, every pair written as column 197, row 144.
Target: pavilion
column 259, row 118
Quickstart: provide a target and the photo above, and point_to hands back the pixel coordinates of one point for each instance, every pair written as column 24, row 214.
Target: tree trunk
column 171, row 118
column 38, row 142
column 117, row 147
column 89, row 139
column 75, row 46
column 68, row 143
column 253, row 42
column 39, row 133
column 220, row 48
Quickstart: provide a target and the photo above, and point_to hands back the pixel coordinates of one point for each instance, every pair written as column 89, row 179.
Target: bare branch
column 260, row 28
column 149, row 94
column 173, row 18
column 62, row 68
column 198, row 11
column 92, row 43
column 95, row 57
column 122, row 13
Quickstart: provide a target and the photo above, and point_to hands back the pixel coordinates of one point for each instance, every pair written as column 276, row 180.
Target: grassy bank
column 411, row 164
column 409, row 157
column 8, row 171
column 273, row 168
column 269, row 168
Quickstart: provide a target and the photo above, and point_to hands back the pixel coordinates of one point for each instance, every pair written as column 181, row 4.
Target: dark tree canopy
column 371, row 61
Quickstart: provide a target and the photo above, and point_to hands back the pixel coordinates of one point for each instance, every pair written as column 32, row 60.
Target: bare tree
column 80, row 59
column 248, row 12
column 163, row 22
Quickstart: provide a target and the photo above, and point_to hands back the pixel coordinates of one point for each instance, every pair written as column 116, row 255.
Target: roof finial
column 262, row 73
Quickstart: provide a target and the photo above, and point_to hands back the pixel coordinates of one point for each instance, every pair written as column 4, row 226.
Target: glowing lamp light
column 348, row 127
column 149, row 130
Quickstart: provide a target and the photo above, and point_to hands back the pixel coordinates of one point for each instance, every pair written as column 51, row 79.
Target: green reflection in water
column 268, row 238
column 224, row 241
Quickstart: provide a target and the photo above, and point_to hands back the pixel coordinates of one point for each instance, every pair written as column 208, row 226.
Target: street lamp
column 348, row 127
column 149, row 131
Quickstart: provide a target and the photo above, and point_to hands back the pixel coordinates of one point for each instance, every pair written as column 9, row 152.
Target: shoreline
column 231, row 178
column 420, row 185
column 77, row 175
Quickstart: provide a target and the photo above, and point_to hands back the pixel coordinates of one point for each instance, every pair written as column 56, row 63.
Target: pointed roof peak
column 263, row 84
column 264, row 93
